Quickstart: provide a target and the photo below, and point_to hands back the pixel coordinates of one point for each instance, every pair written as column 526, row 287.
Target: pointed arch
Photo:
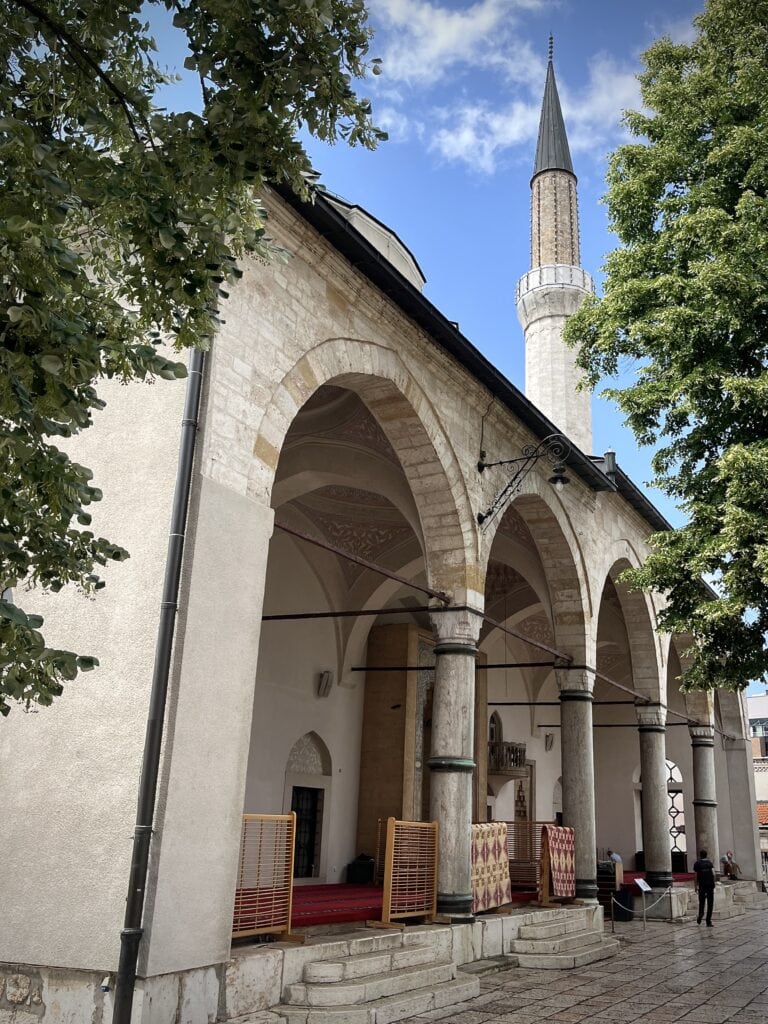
column 561, row 560
column 404, row 412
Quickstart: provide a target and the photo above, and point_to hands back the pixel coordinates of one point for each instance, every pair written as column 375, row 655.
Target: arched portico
column 547, row 603
column 626, row 635
column 366, row 469
column 405, row 415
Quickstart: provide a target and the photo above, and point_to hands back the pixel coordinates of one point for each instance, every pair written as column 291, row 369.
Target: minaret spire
column 556, row 285
column 552, row 150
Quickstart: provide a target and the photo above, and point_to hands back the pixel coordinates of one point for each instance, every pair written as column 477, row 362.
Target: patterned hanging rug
column 562, row 858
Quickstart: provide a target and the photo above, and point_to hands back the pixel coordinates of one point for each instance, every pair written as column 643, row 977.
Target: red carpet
column 334, row 904
column 678, row 876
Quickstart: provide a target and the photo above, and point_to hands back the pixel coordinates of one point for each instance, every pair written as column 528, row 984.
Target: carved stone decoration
column 512, row 525
column 309, row 756
column 502, row 581
column 537, row 627
column 336, row 413
column 360, row 522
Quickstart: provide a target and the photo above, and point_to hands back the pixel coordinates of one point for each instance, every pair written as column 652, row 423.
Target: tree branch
column 70, row 42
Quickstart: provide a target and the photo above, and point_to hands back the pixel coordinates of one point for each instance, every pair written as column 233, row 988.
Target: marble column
column 578, row 771
column 452, row 756
column 651, row 726
column 704, row 791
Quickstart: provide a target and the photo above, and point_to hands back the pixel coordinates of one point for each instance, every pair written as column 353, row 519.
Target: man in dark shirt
column 704, row 870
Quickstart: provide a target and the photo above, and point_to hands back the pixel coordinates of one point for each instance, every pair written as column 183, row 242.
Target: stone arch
column 562, row 561
column 642, row 639
column 309, row 756
column 382, row 381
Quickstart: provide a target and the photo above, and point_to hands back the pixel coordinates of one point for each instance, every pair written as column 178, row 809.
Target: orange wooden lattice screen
column 524, row 852
column 410, row 870
column 265, row 877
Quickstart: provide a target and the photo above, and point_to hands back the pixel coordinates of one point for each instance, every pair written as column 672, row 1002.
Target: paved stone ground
column 668, row 973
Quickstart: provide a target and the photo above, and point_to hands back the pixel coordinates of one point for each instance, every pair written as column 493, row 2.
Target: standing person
column 704, row 870
column 615, row 857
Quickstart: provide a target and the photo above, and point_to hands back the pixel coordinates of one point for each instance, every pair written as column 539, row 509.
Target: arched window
column 495, row 732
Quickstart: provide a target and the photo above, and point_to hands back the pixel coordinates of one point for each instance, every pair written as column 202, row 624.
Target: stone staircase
column 571, row 937
column 732, row 899
column 745, row 894
column 381, row 977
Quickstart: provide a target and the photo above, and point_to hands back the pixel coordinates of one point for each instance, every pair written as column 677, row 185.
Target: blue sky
column 460, row 95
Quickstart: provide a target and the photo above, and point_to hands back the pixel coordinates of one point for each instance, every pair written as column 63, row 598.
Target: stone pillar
column 578, row 770
column 741, row 787
column 452, row 757
column 704, row 791
column 653, row 772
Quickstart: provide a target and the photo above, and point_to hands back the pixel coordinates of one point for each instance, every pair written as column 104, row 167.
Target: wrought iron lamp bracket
column 555, row 448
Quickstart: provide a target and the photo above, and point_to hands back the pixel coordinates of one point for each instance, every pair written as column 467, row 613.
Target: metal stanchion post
column 643, row 911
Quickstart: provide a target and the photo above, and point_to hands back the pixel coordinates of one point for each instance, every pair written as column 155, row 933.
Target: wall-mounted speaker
column 324, row 683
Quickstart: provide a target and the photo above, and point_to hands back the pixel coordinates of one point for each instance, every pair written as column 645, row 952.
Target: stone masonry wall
column 554, row 219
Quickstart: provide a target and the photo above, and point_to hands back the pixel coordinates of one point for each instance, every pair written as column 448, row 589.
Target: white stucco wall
column 69, row 774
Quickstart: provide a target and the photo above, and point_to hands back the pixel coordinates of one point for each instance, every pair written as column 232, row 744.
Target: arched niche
column 307, row 792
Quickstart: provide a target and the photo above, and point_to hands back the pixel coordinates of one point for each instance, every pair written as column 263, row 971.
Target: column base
column 586, row 888
column 659, row 879
column 454, row 904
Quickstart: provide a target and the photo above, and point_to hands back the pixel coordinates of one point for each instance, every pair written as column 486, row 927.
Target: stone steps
column 375, row 979
column 573, row 921
column 567, row 938
column 562, row 944
column 368, row 988
column 362, row 965
column 600, row 949
column 747, row 894
column 387, row 1009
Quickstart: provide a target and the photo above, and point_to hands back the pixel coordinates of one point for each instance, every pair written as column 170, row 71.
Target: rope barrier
column 666, row 892
column 652, row 905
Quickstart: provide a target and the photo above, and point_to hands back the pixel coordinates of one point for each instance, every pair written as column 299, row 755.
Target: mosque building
column 400, row 596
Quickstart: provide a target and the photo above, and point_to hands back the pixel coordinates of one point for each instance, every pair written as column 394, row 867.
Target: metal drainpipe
column 130, row 936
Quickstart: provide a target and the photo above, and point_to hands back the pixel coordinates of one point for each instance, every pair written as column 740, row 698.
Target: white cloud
column 470, row 53
column 423, row 41
column 680, row 30
column 475, row 134
column 593, row 114
column 479, row 135
column 398, row 125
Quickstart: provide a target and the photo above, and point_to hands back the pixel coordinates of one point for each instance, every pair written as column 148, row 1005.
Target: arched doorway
column 308, row 779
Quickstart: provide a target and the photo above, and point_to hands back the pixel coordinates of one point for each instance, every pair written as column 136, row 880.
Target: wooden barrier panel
column 410, row 870
column 265, row 878
column 524, row 852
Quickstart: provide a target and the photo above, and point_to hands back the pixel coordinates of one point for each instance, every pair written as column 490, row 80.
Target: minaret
column 556, row 285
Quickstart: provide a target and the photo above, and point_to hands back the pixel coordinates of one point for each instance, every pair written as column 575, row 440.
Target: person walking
column 704, row 870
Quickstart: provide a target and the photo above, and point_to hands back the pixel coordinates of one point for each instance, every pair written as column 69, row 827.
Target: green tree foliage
column 121, row 225
column 686, row 296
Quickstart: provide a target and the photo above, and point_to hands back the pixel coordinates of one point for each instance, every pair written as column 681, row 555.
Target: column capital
column 574, row 684
column 457, row 626
column 651, row 717
column 701, row 735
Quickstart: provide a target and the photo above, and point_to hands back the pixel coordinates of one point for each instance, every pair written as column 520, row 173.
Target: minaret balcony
column 555, row 275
